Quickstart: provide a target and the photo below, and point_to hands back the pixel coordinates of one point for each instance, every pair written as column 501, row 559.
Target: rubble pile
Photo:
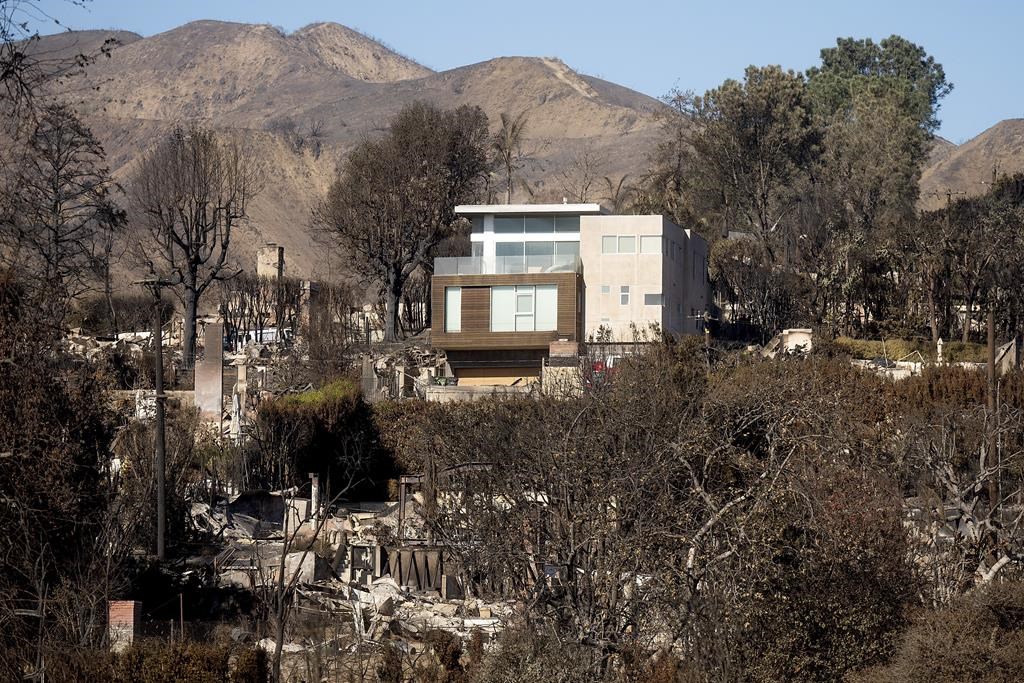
column 384, row 609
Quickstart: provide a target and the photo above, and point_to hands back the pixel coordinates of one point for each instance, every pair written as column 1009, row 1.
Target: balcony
column 507, row 265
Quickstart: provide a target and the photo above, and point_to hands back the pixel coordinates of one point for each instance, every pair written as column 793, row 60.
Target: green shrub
column 908, row 349
column 339, row 390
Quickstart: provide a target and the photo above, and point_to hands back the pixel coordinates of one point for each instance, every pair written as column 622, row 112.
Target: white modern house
column 546, row 273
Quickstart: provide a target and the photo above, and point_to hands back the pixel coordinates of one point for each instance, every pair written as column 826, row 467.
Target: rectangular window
column 453, row 309
column 605, row 289
column 503, row 309
column 508, row 248
column 608, row 244
column 508, row 225
column 539, row 256
column 478, row 249
column 510, row 257
column 624, row 295
column 627, row 244
column 540, row 225
column 524, row 308
column 650, row 244
column 567, row 223
column 478, row 225
column 567, row 249
column 546, row 308
column 652, row 300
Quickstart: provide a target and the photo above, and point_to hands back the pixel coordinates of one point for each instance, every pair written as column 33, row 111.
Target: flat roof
column 573, row 209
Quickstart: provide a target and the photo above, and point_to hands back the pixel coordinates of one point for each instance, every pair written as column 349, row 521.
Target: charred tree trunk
column 188, row 336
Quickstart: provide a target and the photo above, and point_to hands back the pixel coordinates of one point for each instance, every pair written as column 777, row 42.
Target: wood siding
column 476, row 311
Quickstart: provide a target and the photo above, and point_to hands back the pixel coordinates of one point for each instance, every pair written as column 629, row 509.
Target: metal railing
column 507, row 265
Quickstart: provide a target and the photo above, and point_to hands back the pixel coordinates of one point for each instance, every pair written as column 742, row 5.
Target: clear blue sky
column 646, row 45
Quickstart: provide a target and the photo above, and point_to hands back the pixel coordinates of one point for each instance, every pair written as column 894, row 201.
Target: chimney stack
column 270, row 261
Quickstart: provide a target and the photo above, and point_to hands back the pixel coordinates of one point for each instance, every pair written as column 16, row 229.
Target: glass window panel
column 650, row 244
column 605, row 289
column 508, row 249
column 567, row 223
column 543, row 225
column 452, row 309
column 503, row 309
column 478, row 249
column 546, row 302
column 609, row 244
column 627, row 244
column 624, row 295
column 478, row 225
column 567, row 248
column 508, row 225
column 652, row 300
column 524, row 303
column 539, row 256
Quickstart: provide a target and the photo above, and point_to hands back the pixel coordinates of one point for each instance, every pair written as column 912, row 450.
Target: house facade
column 543, row 274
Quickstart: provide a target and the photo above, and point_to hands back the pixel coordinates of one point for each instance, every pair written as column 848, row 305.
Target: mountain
column 969, row 167
column 248, row 79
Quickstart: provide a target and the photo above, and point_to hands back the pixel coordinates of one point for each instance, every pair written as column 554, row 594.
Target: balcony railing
column 507, row 265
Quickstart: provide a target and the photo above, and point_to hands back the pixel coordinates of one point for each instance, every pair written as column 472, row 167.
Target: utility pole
column 991, row 460
column 154, row 285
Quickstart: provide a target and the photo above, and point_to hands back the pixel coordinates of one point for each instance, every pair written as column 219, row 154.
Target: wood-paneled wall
column 476, row 311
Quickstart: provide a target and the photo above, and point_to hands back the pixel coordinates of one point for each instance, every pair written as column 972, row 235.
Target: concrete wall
column 678, row 273
column 692, row 273
column 448, row 394
column 209, row 375
column 496, row 376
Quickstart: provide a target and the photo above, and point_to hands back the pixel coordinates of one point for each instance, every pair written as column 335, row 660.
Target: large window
column 540, row 225
column 537, row 256
column 535, row 225
column 653, row 300
column 508, row 225
column 524, row 308
column 567, row 223
column 453, row 309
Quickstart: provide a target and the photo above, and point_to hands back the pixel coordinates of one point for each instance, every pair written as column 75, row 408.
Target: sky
column 646, row 45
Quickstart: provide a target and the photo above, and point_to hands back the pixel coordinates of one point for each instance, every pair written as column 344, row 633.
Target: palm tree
column 507, row 143
column 617, row 194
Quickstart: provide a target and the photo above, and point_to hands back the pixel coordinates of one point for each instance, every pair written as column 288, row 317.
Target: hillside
column 969, row 167
column 244, row 78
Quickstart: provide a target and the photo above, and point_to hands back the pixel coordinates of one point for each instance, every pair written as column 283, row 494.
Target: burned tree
column 64, row 220
column 395, row 198
column 190, row 193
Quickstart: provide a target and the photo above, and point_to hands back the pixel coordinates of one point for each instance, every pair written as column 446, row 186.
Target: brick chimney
column 123, row 620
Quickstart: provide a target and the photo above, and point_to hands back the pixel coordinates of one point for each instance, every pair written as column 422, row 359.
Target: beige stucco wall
column 496, row 376
column 681, row 280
